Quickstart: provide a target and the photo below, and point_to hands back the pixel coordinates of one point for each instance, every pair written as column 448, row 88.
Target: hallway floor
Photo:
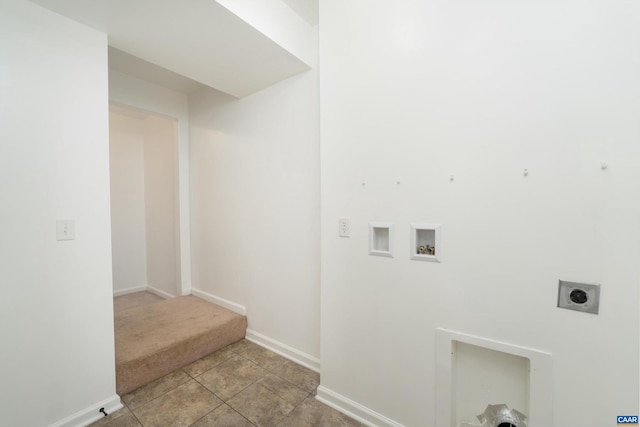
column 241, row 385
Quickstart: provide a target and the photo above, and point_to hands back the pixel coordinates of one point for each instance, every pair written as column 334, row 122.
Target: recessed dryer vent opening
column 486, row 383
column 499, row 416
column 484, row 377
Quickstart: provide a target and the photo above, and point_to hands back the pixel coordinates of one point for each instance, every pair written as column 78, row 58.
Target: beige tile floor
column 241, row 385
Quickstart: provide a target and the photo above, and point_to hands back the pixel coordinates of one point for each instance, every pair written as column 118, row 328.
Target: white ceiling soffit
column 278, row 21
column 307, row 9
column 235, row 52
column 136, row 67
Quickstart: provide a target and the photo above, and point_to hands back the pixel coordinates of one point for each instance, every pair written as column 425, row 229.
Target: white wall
column 128, row 228
column 150, row 98
column 481, row 90
column 255, row 207
column 56, row 320
column 160, row 203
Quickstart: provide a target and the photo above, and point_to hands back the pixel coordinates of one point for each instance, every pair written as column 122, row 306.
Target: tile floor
column 241, row 385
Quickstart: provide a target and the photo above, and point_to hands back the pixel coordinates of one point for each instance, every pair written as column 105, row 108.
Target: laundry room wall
column 493, row 120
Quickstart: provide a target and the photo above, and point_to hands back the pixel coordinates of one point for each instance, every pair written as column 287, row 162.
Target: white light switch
column 65, row 230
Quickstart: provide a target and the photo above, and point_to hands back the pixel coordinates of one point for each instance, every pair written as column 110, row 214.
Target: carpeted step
column 156, row 339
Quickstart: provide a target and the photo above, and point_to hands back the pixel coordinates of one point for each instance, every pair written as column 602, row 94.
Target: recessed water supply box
column 381, row 239
column 426, row 242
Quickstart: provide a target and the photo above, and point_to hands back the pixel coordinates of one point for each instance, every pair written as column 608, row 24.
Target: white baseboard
column 129, row 291
column 148, row 288
column 90, row 414
column 301, row 358
column 236, row 308
column 159, row 292
column 354, row 409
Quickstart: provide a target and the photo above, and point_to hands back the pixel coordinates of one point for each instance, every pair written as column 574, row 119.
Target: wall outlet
column 344, row 227
column 579, row 296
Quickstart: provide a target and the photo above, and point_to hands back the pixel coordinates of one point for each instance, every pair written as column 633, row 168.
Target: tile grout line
column 160, row 395
column 255, row 363
column 214, row 366
column 204, row 415
column 134, row 415
column 170, row 390
column 222, row 404
column 273, row 371
column 270, row 391
column 220, row 397
column 233, row 409
column 276, row 375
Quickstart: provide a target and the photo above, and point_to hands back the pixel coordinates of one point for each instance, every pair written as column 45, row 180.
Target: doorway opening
column 145, row 209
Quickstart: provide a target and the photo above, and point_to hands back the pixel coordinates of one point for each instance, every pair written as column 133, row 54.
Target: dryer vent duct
column 499, row 416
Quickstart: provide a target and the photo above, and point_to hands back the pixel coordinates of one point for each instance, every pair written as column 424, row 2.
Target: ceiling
column 186, row 44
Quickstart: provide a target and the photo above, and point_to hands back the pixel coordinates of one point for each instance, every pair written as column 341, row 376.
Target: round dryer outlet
column 579, row 296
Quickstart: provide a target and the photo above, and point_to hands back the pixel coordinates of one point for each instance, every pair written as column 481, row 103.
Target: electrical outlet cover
column 579, row 296
column 344, row 227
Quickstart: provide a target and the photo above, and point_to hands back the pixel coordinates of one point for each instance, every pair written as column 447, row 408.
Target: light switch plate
column 65, row 230
column 579, row 296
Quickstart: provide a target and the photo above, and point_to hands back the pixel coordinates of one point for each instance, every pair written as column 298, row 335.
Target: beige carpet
column 155, row 339
column 137, row 299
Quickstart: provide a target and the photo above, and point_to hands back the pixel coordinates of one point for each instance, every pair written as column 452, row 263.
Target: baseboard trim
column 159, row 292
column 148, row 288
column 90, row 414
column 129, row 291
column 236, row 308
column 300, row 357
column 353, row 409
